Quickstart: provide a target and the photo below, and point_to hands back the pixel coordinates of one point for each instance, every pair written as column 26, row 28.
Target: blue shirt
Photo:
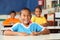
column 33, row 27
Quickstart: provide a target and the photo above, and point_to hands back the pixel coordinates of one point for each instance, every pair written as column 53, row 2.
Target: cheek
column 36, row 12
column 21, row 17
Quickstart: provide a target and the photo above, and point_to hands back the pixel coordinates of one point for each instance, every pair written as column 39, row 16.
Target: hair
column 26, row 9
column 39, row 7
column 13, row 12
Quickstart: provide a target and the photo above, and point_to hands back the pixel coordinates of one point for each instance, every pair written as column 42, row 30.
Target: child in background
column 12, row 20
column 17, row 15
column 38, row 18
column 25, row 28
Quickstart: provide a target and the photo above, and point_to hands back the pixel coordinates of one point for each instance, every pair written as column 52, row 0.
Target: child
column 25, row 27
column 17, row 15
column 12, row 20
column 38, row 18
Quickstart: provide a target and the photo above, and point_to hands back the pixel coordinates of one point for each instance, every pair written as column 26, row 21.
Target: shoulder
column 33, row 16
column 17, row 24
column 35, row 24
column 8, row 19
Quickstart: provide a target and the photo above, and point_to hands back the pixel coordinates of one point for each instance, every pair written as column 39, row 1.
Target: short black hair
column 26, row 9
column 38, row 7
column 12, row 12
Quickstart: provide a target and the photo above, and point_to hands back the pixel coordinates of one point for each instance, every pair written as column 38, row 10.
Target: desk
column 40, row 37
column 8, row 25
column 53, row 27
column 58, row 20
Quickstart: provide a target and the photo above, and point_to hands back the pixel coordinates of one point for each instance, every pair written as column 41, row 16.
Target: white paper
column 50, row 17
column 57, row 14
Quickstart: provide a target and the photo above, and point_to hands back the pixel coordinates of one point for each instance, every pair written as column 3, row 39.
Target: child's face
column 25, row 16
column 12, row 15
column 37, row 12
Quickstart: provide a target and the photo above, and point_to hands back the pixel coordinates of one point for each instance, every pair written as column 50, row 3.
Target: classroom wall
column 9, row 5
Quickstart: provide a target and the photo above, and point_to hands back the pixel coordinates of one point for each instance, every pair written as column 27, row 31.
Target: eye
column 39, row 11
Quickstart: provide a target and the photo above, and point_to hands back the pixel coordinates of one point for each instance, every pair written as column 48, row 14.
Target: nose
column 38, row 12
column 26, row 17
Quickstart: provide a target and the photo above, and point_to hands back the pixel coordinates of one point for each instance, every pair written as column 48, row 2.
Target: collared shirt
column 33, row 27
column 39, row 20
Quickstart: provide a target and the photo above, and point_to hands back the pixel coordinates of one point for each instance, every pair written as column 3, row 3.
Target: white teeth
column 26, row 21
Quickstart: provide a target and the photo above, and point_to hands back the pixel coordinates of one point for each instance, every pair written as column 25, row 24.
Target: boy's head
column 38, row 11
column 12, row 14
column 25, row 15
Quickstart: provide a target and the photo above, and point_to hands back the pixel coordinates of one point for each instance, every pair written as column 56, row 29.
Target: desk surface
column 40, row 37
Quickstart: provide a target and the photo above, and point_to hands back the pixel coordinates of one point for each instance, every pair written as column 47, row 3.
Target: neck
column 12, row 17
column 26, row 24
column 38, row 16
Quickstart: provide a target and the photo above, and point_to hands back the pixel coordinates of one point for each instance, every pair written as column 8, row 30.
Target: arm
column 7, row 22
column 33, row 19
column 41, row 30
column 11, row 33
column 45, row 31
column 44, row 25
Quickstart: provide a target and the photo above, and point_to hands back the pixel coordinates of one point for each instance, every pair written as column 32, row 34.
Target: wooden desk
column 55, row 29
column 8, row 25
